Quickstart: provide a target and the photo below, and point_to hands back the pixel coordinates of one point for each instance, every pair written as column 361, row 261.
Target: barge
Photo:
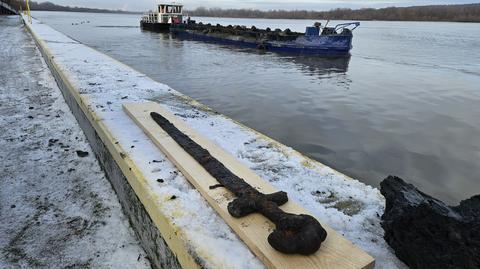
column 317, row 39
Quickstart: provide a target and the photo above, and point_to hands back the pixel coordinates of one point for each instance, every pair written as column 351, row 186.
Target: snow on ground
column 57, row 209
column 350, row 207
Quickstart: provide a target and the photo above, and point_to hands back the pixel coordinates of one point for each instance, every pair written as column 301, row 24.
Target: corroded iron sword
column 293, row 234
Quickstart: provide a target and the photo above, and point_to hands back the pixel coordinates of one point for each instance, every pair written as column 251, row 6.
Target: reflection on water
column 317, row 66
column 405, row 102
column 310, row 65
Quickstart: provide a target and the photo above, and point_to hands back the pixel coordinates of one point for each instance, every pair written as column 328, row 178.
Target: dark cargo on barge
column 317, row 40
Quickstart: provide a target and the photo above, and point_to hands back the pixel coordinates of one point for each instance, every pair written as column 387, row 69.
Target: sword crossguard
column 251, row 201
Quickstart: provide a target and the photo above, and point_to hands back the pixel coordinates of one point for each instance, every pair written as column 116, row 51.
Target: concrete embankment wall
column 103, row 146
column 186, row 232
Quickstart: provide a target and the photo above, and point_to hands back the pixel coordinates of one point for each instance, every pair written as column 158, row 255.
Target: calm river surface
column 406, row 103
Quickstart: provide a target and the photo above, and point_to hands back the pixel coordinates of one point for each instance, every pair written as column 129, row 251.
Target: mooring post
column 28, row 13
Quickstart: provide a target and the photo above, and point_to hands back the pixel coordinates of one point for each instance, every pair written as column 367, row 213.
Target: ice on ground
column 57, row 209
column 348, row 206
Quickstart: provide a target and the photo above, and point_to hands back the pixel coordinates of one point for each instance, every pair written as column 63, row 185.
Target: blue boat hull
column 331, row 45
column 328, row 45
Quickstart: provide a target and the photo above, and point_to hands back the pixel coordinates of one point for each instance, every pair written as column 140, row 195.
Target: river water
column 406, row 103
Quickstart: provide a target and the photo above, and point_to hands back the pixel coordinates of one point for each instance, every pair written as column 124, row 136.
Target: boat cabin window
column 170, row 9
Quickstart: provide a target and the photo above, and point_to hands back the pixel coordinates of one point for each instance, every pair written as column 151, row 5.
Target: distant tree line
column 49, row 6
column 457, row 13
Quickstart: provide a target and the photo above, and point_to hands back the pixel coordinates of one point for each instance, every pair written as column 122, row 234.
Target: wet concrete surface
column 57, row 208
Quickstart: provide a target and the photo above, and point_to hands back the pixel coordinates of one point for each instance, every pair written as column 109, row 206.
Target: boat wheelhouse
column 162, row 17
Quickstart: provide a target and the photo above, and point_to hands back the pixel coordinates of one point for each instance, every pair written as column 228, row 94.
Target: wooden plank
column 335, row 252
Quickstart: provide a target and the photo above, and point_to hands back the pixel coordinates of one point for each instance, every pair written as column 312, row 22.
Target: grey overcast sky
column 144, row 5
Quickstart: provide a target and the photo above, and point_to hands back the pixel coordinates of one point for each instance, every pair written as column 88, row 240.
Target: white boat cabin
column 165, row 13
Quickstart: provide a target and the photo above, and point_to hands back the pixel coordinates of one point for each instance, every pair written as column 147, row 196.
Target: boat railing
column 341, row 26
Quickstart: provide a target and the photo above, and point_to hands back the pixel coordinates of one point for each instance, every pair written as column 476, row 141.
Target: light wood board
column 335, row 252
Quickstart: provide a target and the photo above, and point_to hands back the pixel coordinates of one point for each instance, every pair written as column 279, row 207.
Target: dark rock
column 82, row 154
column 425, row 232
